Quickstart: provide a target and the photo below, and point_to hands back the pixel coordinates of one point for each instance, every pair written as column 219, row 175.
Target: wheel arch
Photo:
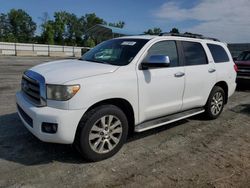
column 224, row 86
column 121, row 103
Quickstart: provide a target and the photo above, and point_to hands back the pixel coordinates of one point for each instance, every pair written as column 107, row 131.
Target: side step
column 167, row 119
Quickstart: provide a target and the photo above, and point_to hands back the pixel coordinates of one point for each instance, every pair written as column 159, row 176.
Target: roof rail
column 188, row 35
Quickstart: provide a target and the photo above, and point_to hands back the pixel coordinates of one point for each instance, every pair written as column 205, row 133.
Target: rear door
column 224, row 65
column 200, row 74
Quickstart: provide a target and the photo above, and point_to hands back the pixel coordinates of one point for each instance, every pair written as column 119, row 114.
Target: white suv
column 123, row 85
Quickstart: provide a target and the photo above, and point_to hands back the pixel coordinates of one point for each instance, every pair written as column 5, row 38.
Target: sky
column 227, row 20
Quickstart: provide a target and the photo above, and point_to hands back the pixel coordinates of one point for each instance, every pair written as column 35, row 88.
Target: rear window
column 218, row 53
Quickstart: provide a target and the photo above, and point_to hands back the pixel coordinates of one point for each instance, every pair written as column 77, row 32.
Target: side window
column 194, row 53
column 218, row 53
column 167, row 48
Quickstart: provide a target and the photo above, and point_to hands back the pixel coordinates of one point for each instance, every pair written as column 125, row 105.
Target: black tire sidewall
column 209, row 113
column 90, row 119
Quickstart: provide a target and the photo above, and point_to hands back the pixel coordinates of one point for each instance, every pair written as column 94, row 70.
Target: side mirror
column 156, row 61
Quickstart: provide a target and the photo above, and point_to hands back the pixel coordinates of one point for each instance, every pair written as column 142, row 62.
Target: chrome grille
column 33, row 87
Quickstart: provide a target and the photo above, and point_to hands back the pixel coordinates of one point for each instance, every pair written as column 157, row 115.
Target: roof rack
column 189, row 35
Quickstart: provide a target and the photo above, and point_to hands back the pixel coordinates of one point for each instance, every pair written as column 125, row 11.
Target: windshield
column 244, row 56
column 116, row 51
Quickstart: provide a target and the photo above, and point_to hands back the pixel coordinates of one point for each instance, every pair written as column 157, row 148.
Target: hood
column 59, row 72
column 247, row 63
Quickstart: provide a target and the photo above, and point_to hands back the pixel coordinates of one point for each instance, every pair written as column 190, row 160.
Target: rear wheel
column 215, row 103
column 102, row 132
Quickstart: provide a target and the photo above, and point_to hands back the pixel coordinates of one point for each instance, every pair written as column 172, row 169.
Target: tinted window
column 115, row 52
column 194, row 53
column 218, row 53
column 167, row 48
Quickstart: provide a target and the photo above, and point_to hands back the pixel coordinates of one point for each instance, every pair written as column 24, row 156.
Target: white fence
column 23, row 49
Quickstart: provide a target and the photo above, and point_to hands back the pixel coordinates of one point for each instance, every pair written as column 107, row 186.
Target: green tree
column 74, row 30
column 90, row 20
column 60, row 26
column 48, row 31
column 154, row 31
column 89, row 42
column 174, row 30
column 119, row 24
column 21, row 25
column 3, row 26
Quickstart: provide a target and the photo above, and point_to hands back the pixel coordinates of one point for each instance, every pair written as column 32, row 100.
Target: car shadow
column 242, row 109
column 18, row 145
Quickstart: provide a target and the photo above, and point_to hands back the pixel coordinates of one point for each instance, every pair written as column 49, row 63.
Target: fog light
column 49, row 127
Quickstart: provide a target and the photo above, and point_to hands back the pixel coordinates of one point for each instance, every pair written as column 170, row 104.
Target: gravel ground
column 191, row 153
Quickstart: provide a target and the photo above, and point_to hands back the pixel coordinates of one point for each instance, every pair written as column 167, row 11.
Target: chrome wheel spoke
column 103, row 121
column 213, row 109
column 101, row 147
column 220, row 103
column 117, row 130
column 113, row 126
column 96, row 128
column 93, row 136
column 110, row 119
column 96, row 144
column 116, row 140
column 105, row 134
column 110, row 147
column 217, row 103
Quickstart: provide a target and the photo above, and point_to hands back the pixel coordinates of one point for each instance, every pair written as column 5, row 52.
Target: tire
column 215, row 103
column 101, row 133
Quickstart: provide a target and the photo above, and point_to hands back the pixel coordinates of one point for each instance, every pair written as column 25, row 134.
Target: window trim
column 183, row 53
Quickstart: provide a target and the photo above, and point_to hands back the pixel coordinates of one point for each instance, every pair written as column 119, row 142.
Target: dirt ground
column 190, row 153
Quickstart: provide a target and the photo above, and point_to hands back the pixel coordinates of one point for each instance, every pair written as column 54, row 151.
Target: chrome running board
column 167, row 119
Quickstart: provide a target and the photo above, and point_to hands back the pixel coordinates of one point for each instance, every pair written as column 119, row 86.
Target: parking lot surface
column 191, row 153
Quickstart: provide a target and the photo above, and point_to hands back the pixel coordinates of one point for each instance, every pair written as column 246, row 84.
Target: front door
column 161, row 89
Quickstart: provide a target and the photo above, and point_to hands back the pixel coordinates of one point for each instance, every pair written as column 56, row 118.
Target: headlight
column 61, row 92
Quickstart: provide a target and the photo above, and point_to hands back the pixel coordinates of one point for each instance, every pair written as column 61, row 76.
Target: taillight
column 235, row 68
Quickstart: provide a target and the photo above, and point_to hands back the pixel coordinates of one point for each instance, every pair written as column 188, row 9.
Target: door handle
column 179, row 74
column 211, row 70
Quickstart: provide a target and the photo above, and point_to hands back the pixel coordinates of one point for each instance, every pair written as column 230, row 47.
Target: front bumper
column 67, row 121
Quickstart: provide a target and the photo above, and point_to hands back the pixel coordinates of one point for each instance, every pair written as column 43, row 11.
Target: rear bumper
column 67, row 121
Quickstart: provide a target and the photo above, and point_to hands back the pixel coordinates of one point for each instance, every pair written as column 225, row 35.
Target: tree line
column 63, row 29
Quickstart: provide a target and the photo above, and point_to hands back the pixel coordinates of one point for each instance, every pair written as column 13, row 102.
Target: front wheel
column 102, row 133
column 215, row 103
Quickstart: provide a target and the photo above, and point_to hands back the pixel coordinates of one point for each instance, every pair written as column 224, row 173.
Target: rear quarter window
column 218, row 52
